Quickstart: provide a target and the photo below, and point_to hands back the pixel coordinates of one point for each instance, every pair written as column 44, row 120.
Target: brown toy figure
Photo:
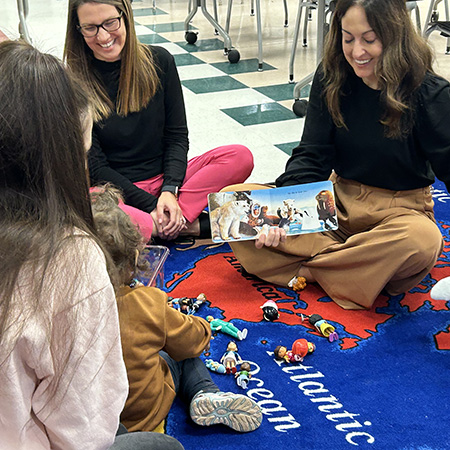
column 297, row 283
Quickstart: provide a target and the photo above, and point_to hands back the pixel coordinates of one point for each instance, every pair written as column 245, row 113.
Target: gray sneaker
column 236, row 411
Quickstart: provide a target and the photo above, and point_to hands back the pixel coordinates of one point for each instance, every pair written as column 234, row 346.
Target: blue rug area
column 384, row 384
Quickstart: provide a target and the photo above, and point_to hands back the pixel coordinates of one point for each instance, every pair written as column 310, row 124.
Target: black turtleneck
column 361, row 152
column 141, row 145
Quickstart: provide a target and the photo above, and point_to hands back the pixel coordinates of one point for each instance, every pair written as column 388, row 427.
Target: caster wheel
column 191, row 37
column 233, row 56
column 299, row 107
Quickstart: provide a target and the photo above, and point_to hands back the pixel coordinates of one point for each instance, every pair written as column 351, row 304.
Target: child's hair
column 118, row 234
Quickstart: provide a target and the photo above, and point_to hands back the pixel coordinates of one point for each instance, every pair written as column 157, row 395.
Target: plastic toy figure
column 297, row 284
column 270, row 311
column 231, row 358
column 244, row 375
column 323, row 327
column 300, row 348
column 187, row 305
column 215, row 366
column 227, row 328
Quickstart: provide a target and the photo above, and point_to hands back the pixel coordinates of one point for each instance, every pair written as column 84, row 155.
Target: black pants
column 144, row 441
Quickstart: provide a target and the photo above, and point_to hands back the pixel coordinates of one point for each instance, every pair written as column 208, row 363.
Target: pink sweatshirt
column 82, row 410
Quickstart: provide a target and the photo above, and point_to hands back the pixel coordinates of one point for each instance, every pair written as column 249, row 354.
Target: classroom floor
column 226, row 103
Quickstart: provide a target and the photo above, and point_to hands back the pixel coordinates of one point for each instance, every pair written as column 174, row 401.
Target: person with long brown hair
column 140, row 138
column 63, row 381
column 378, row 125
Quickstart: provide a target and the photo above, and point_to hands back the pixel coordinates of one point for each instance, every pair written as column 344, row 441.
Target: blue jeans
column 189, row 376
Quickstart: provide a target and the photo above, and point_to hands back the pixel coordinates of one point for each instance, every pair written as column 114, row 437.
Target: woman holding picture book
column 377, row 125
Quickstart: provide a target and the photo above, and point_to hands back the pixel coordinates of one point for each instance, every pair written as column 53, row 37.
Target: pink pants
column 206, row 173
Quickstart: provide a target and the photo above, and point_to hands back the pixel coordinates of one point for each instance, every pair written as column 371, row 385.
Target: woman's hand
column 170, row 220
column 271, row 237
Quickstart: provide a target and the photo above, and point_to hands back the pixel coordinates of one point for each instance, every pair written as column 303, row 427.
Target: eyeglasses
column 108, row 25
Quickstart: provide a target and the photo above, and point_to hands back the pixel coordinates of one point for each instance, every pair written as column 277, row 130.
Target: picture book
column 299, row 209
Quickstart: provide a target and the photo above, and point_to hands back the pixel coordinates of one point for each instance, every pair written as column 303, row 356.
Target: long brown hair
column 138, row 81
column 44, row 200
column 405, row 60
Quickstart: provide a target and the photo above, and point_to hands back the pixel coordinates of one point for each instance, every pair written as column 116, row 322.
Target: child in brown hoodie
column 161, row 347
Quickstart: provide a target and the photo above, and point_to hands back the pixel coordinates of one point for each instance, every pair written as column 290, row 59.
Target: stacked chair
column 433, row 23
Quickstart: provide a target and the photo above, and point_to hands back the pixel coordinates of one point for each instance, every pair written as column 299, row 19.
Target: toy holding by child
column 227, row 328
column 187, row 305
column 300, row 348
column 160, row 345
column 231, row 358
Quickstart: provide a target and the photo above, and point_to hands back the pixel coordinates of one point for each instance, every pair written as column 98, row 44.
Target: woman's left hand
column 168, row 207
column 271, row 237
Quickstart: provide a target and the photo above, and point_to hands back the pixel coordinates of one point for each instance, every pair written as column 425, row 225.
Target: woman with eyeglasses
column 140, row 136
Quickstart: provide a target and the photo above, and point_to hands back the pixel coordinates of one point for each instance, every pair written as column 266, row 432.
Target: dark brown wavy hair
column 401, row 68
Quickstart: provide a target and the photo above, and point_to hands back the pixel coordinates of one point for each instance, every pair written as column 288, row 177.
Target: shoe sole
column 238, row 412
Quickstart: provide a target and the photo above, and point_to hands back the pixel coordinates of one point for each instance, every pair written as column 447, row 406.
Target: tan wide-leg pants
column 386, row 239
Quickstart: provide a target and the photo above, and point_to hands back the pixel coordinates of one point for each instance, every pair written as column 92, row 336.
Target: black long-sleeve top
column 362, row 153
column 144, row 144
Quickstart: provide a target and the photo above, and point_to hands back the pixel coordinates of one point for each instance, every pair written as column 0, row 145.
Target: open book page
column 299, row 209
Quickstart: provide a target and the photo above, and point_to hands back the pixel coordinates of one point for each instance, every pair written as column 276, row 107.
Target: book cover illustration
column 299, row 209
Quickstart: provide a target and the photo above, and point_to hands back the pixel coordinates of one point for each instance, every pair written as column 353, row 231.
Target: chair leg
column 259, row 31
column 447, row 15
column 286, row 15
column 295, row 40
column 22, row 6
column 305, row 27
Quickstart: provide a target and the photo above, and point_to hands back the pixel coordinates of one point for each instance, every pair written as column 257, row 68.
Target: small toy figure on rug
column 215, row 366
column 227, row 328
column 231, row 358
column 300, row 348
column 270, row 311
column 322, row 326
column 243, row 375
column 297, row 284
column 441, row 290
column 187, row 305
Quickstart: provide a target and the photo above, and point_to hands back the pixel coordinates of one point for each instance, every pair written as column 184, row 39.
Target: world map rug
column 383, row 383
